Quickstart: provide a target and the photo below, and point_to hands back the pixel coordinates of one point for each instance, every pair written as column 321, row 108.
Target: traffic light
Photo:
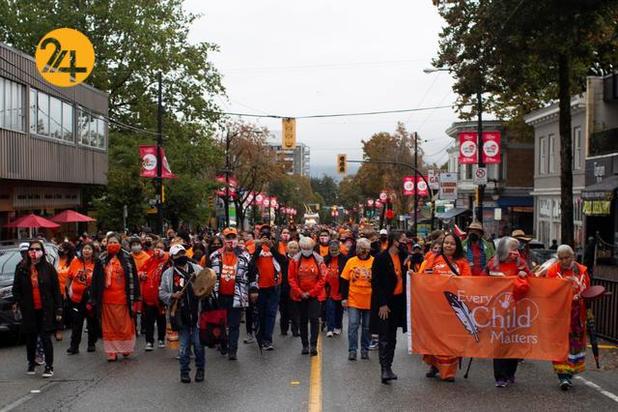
column 341, row 164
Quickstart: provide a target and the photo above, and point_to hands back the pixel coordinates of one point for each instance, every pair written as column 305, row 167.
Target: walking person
column 506, row 262
column 388, row 300
column 36, row 290
column 153, row 309
column 287, row 320
column 115, row 293
column 176, row 291
column 235, row 287
column 335, row 262
column 356, row 296
column 79, row 280
column 307, row 275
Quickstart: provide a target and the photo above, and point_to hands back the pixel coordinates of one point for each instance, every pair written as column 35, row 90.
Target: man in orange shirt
column 356, row 295
column 266, row 264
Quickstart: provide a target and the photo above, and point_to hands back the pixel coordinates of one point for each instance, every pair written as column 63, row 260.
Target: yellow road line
column 606, row 346
column 315, row 384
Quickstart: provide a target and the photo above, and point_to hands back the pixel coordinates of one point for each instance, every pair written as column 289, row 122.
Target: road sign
column 433, row 180
column 480, row 176
column 497, row 214
column 448, row 186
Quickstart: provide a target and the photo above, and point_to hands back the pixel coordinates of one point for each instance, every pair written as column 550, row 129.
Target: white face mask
column 136, row 248
column 306, row 253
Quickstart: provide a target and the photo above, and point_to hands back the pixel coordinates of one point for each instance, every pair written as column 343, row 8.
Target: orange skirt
column 118, row 329
column 446, row 365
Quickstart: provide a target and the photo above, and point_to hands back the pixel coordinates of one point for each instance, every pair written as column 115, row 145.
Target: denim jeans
column 190, row 336
column 334, row 314
column 233, row 329
column 356, row 318
column 267, row 303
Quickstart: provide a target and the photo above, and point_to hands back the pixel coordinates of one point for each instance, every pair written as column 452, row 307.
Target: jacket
column 189, row 304
column 487, row 252
column 383, row 283
column 300, row 283
column 246, row 281
column 51, row 299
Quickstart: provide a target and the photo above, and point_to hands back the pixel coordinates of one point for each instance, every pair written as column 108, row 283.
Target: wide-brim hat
column 204, row 283
column 475, row 226
column 521, row 235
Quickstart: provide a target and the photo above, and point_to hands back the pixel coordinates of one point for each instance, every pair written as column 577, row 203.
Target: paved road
column 282, row 380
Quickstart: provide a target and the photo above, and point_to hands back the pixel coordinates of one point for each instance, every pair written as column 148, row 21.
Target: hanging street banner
column 477, row 316
column 448, row 186
column 408, row 185
column 467, row 148
column 421, row 187
column 148, row 155
column 491, row 148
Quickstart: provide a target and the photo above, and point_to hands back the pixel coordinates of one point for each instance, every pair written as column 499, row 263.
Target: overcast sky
column 297, row 58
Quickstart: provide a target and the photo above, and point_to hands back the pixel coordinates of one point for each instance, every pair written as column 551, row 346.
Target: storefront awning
column 604, row 190
column 451, row 213
column 516, row 201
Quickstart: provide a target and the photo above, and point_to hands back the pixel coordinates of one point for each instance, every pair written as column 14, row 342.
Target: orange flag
column 478, row 317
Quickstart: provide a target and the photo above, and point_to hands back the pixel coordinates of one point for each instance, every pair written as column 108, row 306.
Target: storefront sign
column 597, row 207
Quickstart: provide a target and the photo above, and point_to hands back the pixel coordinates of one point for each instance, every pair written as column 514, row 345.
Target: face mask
column 306, row 253
column 148, row 244
column 113, row 248
column 136, row 248
column 35, row 254
column 363, row 255
column 473, row 237
column 231, row 243
column 285, row 237
column 181, row 260
column 514, row 254
column 324, row 240
column 158, row 252
column 383, row 238
column 417, row 258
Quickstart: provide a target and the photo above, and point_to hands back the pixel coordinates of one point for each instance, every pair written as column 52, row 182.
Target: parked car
column 9, row 258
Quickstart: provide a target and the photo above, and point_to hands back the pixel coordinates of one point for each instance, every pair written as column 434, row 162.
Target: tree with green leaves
column 524, row 54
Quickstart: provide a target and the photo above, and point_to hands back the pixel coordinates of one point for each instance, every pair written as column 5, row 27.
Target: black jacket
column 383, row 283
column 49, row 287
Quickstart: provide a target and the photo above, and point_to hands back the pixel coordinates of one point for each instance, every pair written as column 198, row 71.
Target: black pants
column 31, row 339
column 287, row 320
column 309, row 313
column 505, row 368
column 152, row 314
column 78, row 314
column 233, row 330
column 387, row 329
column 249, row 319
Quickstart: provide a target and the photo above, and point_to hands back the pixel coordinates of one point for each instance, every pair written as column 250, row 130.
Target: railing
column 605, row 310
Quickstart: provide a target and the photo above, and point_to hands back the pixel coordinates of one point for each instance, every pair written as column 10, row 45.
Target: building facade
column 507, row 204
column 53, row 141
column 296, row 161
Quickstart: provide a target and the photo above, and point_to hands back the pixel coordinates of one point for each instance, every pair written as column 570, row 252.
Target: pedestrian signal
column 341, row 164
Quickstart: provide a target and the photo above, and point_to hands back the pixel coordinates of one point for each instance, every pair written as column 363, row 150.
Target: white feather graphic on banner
column 463, row 314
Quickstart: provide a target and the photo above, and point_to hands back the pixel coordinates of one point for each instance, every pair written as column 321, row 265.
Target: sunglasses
column 35, row 249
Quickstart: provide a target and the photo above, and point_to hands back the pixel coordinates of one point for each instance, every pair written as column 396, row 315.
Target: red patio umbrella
column 32, row 221
column 71, row 216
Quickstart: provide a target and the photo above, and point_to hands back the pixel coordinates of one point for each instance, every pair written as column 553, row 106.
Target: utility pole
column 415, row 183
column 480, row 191
column 159, row 196
column 226, row 200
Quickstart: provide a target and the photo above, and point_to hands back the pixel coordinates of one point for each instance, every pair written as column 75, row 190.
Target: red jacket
column 307, row 275
column 153, row 269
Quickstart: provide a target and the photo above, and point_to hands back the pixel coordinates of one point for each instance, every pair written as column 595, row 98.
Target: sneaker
column 40, row 361
column 185, row 378
column 314, row 351
column 305, row 350
column 433, row 372
column 352, row 355
column 149, row 347
column 199, row 375
column 329, row 334
column 91, row 348
column 364, row 354
column 268, row 346
column 31, row 370
column 49, row 372
column 510, row 380
column 337, row 331
column 500, row 383
column 72, row 351
column 373, row 345
column 232, row 356
column 249, row 339
column 565, row 384
column 161, row 344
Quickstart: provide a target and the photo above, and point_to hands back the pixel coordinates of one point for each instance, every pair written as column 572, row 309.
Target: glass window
column 11, row 100
column 577, row 148
column 7, row 104
column 67, row 121
column 84, row 124
column 101, row 127
column 542, row 156
column 2, row 102
column 55, row 118
column 43, row 114
column 33, row 110
column 93, row 131
column 16, row 111
column 552, row 153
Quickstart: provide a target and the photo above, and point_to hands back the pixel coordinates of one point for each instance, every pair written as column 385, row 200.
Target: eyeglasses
column 35, row 249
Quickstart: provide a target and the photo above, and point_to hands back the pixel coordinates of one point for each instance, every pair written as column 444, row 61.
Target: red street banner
column 421, row 187
column 259, row 199
column 491, row 148
column 408, row 185
column 477, row 316
column 467, row 148
column 148, row 154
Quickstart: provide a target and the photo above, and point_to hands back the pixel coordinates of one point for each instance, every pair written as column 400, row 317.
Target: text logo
column 64, row 57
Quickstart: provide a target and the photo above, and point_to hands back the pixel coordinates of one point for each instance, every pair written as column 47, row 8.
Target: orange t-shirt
column 358, row 273
column 439, row 267
column 80, row 275
column 266, row 270
column 397, row 263
column 36, row 292
column 114, row 292
column 227, row 282
column 283, row 248
column 323, row 250
column 63, row 272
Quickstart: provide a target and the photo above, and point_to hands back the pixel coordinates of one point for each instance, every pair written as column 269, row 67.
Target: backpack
column 212, row 325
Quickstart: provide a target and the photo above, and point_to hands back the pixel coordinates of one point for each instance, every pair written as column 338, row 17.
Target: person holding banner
column 567, row 268
column 450, row 262
column 388, row 300
column 506, row 262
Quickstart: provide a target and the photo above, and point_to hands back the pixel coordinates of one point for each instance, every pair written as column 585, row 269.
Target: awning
column 451, row 213
column 604, row 190
column 519, row 201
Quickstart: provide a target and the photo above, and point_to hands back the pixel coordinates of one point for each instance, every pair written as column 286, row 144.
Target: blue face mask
column 306, row 253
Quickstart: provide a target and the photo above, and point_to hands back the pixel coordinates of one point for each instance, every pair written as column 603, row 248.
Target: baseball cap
column 230, row 231
column 24, row 246
column 177, row 248
column 383, row 232
column 416, row 246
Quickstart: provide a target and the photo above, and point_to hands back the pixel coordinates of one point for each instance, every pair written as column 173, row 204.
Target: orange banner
column 478, row 317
